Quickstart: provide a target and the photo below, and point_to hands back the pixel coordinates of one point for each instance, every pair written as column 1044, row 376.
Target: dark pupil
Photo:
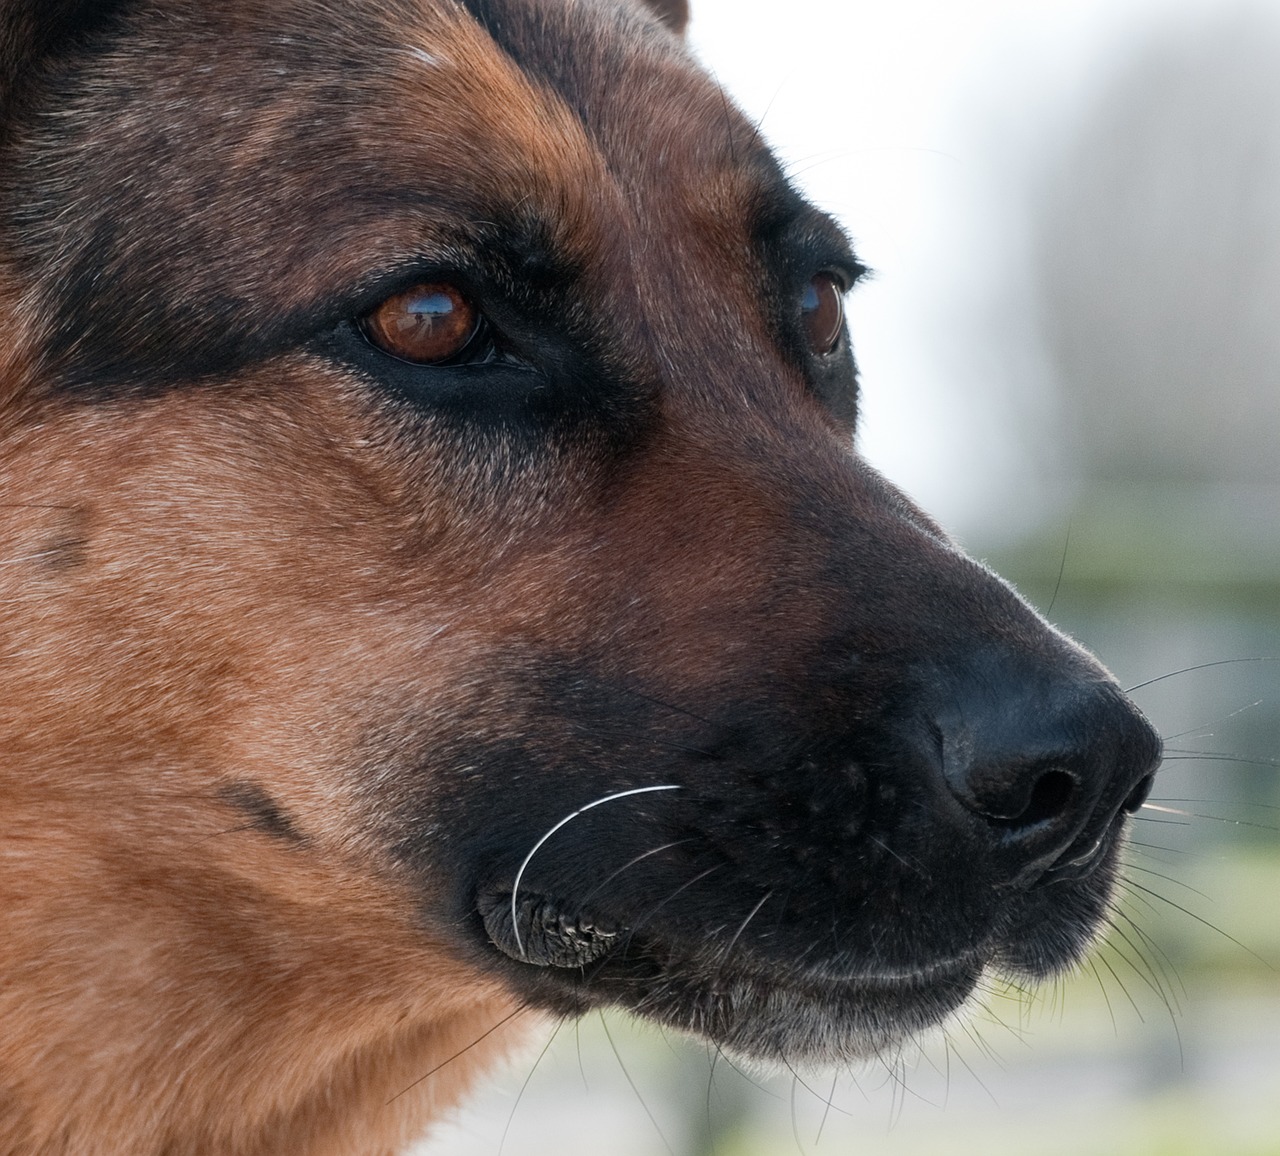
column 823, row 314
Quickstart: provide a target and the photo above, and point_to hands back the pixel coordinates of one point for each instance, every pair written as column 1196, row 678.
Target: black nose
column 1041, row 760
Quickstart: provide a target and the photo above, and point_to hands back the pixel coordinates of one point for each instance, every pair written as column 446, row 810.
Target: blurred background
column 1070, row 354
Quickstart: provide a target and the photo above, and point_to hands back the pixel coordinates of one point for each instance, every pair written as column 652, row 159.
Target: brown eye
column 822, row 311
column 428, row 324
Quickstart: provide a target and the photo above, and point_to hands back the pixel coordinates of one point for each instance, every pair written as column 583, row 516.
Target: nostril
column 1015, row 796
column 1139, row 794
column 1050, row 797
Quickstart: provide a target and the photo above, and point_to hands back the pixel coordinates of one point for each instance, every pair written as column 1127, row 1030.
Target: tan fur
column 283, row 981
column 188, row 591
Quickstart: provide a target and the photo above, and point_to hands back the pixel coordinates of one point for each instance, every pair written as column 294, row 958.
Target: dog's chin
column 753, row 1009
column 800, row 1019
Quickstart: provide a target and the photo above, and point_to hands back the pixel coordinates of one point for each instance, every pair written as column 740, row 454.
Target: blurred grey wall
column 1159, row 261
column 1156, row 266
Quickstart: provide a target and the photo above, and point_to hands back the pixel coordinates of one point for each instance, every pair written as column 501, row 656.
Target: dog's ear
column 673, row 13
column 30, row 30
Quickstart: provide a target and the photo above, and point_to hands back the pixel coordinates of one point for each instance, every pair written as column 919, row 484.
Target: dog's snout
column 1041, row 763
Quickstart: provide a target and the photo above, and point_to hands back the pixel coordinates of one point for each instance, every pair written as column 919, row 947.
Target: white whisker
column 515, row 887
column 1165, row 810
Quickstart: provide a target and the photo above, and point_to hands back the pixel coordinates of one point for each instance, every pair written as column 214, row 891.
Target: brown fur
column 177, row 591
column 251, row 612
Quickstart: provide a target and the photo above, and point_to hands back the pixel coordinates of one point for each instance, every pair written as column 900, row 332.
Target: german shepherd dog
column 436, row 583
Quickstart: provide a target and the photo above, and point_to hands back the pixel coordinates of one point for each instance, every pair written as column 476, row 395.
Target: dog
column 437, row 588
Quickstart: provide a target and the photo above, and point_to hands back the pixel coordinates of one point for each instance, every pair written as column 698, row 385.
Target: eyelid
column 846, row 273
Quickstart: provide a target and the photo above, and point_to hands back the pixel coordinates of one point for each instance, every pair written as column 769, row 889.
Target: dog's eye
column 426, row 325
column 822, row 312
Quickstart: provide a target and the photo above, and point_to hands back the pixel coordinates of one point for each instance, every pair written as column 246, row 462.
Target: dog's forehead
column 630, row 82
column 281, row 152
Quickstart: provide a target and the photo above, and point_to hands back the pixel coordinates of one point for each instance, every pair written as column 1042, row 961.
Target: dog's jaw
column 755, row 893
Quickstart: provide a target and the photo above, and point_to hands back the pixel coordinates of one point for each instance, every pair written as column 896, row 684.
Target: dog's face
column 425, row 454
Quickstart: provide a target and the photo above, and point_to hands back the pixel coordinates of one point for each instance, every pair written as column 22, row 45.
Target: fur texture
column 305, row 648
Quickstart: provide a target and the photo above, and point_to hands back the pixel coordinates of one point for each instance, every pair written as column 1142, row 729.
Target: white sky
column 921, row 124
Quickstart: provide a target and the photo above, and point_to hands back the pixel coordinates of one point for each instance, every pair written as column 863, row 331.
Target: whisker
column 724, row 955
column 652, row 1118
column 1197, row 666
column 659, row 702
column 759, row 1087
column 1207, row 817
column 1183, row 817
column 515, row 887
column 1131, row 886
column 1167, row 967
column 1169, row 879
column 1062, row 569
column 663, row 902
column 1102, row 959
column 1140, row 845
column 795, row 1118
column 1141, row 967
column 1149, row 976
column 890, row 851
column 629, row 864
column 577, row 1043
column 1102, row 987
column 520, row 1094
column 1221, row 802
column 829, row 1101
column 1217, row 722
column 814, row 1092
column 461, row 1052
column 987, row 1050
column 1185, row 756
column 711, row 1079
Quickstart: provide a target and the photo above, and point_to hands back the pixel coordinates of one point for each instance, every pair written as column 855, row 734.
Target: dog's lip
column 557, row 935
column 1082, row 860
column 545, row 931
column 1088, row 856
column 754, row 1006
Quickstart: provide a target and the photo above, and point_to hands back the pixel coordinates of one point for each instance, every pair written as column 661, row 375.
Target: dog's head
column 425, row 447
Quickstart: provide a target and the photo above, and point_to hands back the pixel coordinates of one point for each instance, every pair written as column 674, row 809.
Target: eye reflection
column 428, row 325
column 822, row 313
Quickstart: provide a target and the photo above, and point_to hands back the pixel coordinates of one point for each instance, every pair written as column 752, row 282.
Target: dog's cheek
column 199, row 600
column 189, row 585
column 252, row 587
